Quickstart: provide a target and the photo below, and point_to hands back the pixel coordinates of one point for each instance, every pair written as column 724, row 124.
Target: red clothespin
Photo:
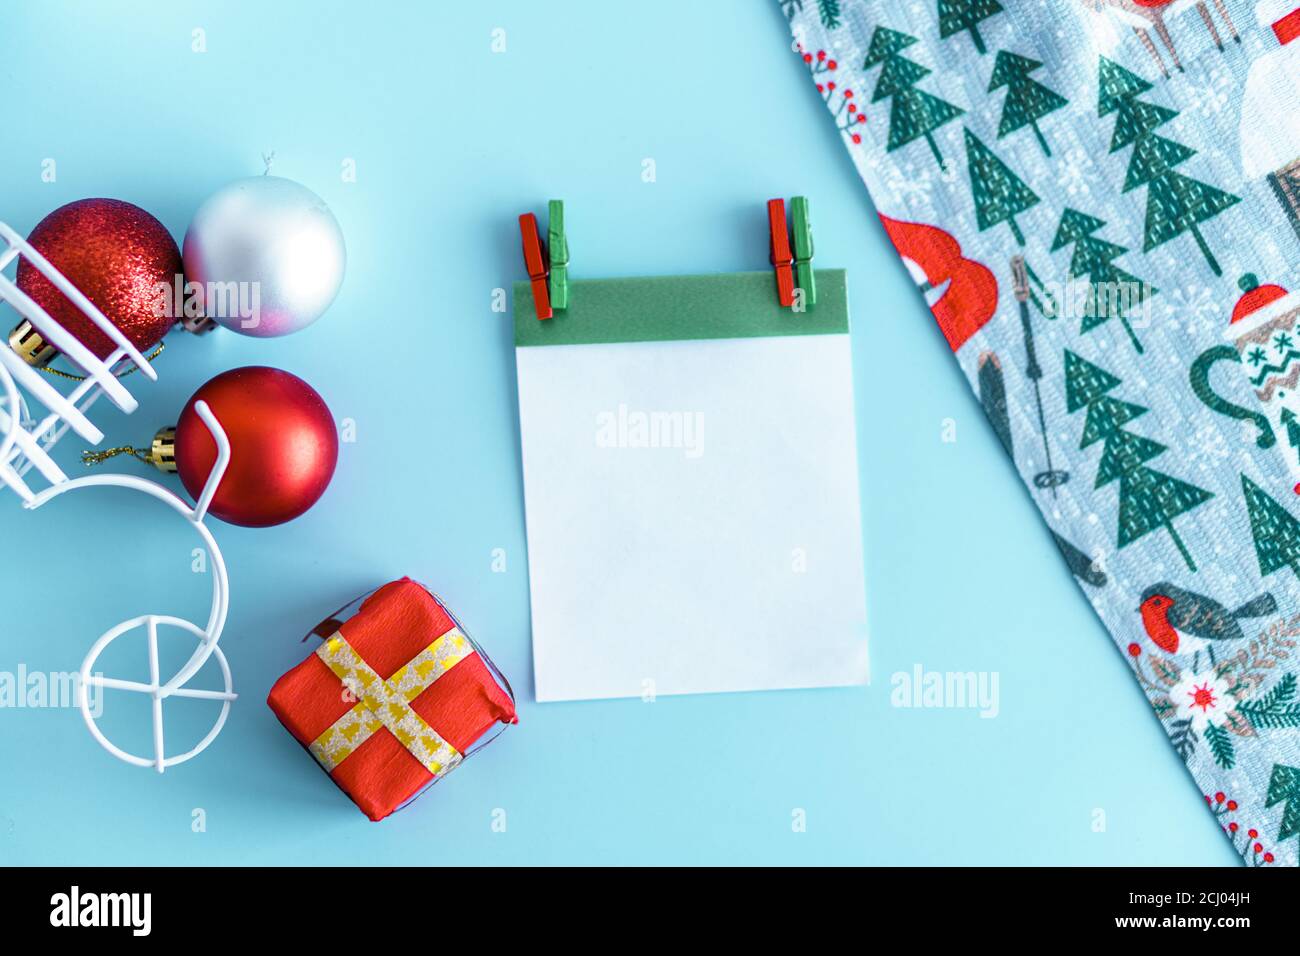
column 782, row 257
column 536, row 263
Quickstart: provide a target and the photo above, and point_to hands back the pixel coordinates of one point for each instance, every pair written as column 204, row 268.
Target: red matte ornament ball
column 283, row 446
column 118, row 256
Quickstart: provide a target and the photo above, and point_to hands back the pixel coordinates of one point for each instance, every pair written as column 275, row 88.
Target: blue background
column 451, row 142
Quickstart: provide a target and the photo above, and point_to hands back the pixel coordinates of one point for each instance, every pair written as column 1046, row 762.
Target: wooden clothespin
column 803, row 250
column 559, row 249
column 782, row 260
column 536, row 264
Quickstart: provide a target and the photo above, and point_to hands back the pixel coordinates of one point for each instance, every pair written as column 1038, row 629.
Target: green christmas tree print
column 829, row 13
column 1284, row 788
column 1292, row 427
column 1111, row 291
column 958, row 15
column 1175, row 203
column 1124, row 452
column 1000, row 195
column 1106, row 415
column 1115, row 85
column 1149, row 500
column 913, row 113
column 1275, row 532
column 1027, row 100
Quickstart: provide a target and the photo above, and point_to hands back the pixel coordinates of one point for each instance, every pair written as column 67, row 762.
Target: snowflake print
column 1208, row 448
column 912, row 187
column 1210, row 94
column 1282, row 342
column 1256, row 355
column 1077, row 168
column 1193, row 307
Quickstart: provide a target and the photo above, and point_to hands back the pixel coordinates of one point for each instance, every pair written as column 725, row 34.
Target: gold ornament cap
column 197, row 324
column 30, row 346
column 162, row 453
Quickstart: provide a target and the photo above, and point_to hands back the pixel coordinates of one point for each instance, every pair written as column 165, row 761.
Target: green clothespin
column 803, row 250
column 559, row 247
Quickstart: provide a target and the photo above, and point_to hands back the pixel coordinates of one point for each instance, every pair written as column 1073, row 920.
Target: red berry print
column 1245, row 842
column 843, row 104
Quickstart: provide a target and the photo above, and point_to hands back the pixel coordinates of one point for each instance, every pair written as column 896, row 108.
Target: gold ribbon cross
column 386, row 703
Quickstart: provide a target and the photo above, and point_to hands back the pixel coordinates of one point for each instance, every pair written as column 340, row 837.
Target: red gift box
column 393, row 698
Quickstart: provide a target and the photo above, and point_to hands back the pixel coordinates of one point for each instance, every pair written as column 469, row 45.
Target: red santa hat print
column 1259, row 304
column 962, row 293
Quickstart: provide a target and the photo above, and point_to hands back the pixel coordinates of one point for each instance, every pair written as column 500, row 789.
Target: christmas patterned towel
column 1100, row 201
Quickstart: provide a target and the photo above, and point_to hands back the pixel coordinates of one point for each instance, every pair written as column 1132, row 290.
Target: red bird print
column 1172, row 616
column 1155, row 619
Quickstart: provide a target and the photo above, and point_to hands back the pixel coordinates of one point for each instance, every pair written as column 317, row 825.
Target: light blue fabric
column 1205, row 607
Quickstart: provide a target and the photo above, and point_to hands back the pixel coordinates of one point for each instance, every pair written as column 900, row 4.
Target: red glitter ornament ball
column 283, row 446
column 115, row 253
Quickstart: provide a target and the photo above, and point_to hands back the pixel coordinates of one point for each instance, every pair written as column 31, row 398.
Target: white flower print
column 1203, row 698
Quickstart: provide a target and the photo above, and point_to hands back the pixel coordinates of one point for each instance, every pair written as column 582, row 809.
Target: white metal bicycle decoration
column 25, row 442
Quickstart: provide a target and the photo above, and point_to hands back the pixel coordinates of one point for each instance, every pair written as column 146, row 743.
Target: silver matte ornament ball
column 265, row 256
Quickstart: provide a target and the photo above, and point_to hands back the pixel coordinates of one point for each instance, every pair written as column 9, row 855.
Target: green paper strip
column 668, row 308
